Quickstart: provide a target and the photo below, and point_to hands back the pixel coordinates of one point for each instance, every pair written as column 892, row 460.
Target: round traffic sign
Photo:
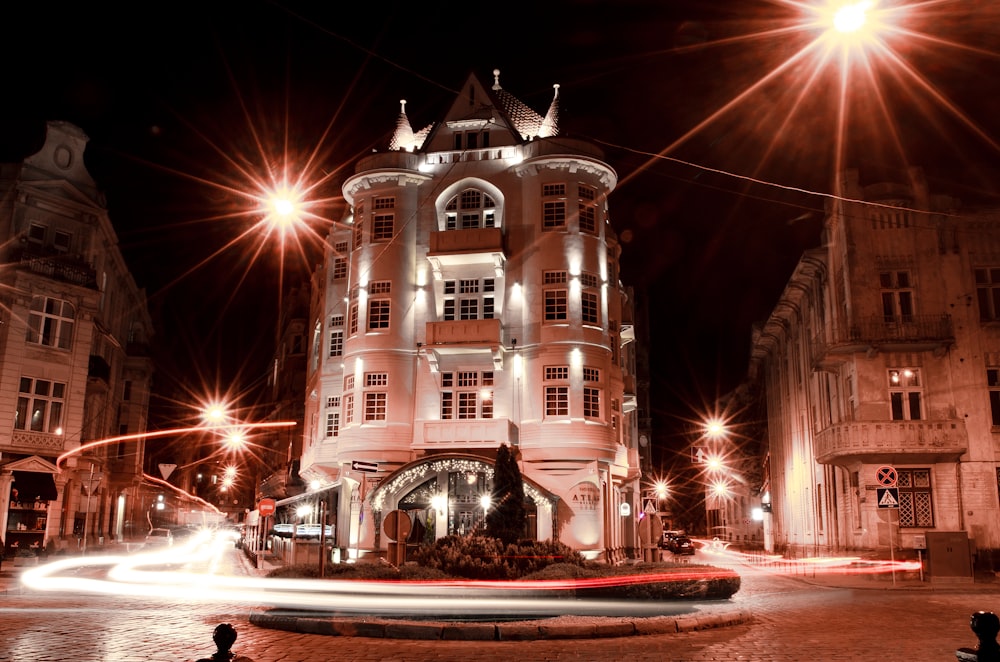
column 886, row 476
column 266, row 507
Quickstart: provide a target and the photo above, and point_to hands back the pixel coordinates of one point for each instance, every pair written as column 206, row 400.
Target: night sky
column 723, row 130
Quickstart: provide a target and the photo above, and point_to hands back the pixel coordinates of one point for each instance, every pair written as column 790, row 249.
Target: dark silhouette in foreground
column 986, row 625
column 224, row 637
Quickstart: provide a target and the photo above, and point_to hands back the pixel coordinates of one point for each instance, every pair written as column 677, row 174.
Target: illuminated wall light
column 515, row 292
column 359, row 370
column 518, row 366
column 576, row 357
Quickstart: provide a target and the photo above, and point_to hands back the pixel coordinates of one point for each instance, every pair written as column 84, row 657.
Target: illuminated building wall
column 884, row 351
column 74, row 355
column 472, row 300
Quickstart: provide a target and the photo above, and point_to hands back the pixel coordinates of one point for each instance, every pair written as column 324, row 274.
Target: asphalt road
column 793, row 619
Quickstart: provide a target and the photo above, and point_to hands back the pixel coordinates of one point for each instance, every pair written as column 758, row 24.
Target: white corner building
column 470, row 298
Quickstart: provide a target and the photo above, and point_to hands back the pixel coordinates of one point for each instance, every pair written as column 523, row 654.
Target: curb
column 555, row 628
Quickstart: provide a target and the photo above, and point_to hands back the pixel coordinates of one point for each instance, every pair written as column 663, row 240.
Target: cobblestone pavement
column 793, row 619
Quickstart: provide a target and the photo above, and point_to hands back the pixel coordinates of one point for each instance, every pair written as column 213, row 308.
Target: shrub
column 480, row 557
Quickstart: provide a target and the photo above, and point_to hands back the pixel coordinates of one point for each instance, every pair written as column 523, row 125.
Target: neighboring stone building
column 74, row 361
column 881, row 360
column 471, row 298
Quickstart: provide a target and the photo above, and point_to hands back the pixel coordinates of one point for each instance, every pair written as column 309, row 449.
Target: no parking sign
column 886, row 476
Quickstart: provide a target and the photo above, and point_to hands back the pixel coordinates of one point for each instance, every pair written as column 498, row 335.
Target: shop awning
column 306, row 495
column 35, row 485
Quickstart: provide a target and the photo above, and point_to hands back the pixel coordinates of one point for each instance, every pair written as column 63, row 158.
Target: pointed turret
column 550, row 125
column 402, row 137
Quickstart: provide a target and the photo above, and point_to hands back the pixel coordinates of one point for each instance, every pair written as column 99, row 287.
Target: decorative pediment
column 33, row 463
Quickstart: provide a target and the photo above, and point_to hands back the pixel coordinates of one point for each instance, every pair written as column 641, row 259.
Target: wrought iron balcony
column 61, row 266
column 892, row 441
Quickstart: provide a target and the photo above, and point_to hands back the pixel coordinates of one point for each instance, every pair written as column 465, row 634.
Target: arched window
column 50, row 322
column 470, row 209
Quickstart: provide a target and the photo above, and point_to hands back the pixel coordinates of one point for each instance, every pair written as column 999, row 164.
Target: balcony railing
column 481, row 433
column 68, row 268
column 892, row 441
column 472, row 240
column 883, row 333
column 464, row 332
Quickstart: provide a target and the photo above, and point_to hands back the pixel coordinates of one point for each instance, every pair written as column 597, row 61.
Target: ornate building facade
column 470, row 298
column 74, row 361
column 880, row 365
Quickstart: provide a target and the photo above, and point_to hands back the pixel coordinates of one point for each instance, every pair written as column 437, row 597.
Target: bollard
column 224, row 637
column 985, row 625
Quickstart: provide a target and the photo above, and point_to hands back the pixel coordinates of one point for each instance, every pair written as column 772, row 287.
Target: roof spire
column 496, row 79
column 550, row 125
column 402, row 137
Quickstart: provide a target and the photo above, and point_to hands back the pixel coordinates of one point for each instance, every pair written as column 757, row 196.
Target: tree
column 506, row 518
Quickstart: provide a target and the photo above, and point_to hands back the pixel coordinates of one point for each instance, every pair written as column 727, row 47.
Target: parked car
column 159, row 538
column 681, row 545
column 667, row 538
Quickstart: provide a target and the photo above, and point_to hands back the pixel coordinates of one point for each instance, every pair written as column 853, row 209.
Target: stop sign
column 266, row 507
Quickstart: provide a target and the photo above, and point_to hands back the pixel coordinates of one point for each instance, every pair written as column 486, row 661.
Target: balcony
column 909, row 333
column 891, row 442
column 471, row 433
column 57, row 265
column 463, row 247
column 465, row 337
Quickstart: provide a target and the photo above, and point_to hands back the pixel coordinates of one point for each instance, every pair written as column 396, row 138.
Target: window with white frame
column 469, row 299
column 470, row 209
column 556, row 391
column 336, row 343
column 36, row 233
column 589, row 307
column 988, row 293
column 916, row 504
column 592, row 393
column 383, row 227
column 466, row 394
column 897, row 296
column 556, row 305
column 61, row 241
column 905, row 392
column 588, row 208
column 553, row 206
column 379, row 287
column 359, row 225
column 348, row 401
column 352, row 321
column 378, row 314
column 339, row 268
column 50, row 322
column 376, row 398
column 40, row 404
column 333, row 416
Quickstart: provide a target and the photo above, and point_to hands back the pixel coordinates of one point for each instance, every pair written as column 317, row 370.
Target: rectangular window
column 591, row 375
column 468, row 309
column 988, row 293
column 554, row 277
column 553, row 214
column 61, row 241
column 993, row 384
column 588, row 308
column 349, row 383
column 380, row 287
column 588, row 280
column 333, row 417
column 50, row 322
column 378, row 314
column 382, row 227
column 36, row 233
column 556, row 372
column 384, row 202
column 557, row 401
column 336, row 343
column 916, row 508
column 376, row 379
column 353, row 319
column 591, row 402
column 468, row 286
column 348, row 408
column 556, row 309
column 477, row 306
column 336, row 320
column 375, row 404
column 585, row 192
column 40, row 405
column 340, row 248
column 359, row 232
column 897, row 296
column 904, row 394
column 588, row 219
column 463, row 397
column 553, row 189
column 339, row 268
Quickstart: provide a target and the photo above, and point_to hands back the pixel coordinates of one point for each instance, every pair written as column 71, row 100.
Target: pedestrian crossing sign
column 888, row 497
